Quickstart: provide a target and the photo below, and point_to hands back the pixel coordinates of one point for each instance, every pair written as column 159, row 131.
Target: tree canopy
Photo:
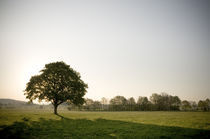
column 57, row 83
column 118, row 100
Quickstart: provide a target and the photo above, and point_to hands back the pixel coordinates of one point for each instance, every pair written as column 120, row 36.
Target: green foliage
column 143, row 103
column 43, row 124
column 164, row 101
column 118, row 103
column 185, row 105
column 118, row 100
column 131, row 101
column 204, row 105
column 91, row 105
column 57, row 83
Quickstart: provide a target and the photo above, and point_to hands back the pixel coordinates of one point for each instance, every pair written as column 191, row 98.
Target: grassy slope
column 40, row 124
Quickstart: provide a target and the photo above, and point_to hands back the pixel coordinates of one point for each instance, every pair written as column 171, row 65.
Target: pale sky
column 121, row 47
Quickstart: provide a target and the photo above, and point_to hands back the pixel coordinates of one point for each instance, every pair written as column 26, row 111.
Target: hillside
column 12, row 102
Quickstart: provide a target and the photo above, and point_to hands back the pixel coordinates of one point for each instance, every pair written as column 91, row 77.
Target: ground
column 44, row 124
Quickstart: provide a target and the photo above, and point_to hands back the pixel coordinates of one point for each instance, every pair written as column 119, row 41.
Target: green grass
column 43, row 124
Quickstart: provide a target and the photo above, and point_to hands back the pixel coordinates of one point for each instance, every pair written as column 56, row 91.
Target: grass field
column 43, row 124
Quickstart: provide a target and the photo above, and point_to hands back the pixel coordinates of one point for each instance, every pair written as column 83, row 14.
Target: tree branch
column 60, row 102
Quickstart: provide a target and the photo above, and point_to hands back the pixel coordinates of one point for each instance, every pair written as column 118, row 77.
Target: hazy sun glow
column 129, row 48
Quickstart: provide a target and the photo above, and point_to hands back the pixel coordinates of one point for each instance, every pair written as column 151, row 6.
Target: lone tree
column 56, row 83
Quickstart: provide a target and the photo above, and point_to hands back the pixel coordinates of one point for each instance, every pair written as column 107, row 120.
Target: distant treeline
column 156, row 102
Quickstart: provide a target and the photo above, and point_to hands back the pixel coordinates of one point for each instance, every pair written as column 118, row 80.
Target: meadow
column 69, row 124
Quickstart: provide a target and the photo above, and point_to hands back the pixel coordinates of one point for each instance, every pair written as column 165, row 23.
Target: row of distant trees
column 156, row 102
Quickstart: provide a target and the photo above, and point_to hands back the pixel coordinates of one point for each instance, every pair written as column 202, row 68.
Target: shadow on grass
column 100, row 128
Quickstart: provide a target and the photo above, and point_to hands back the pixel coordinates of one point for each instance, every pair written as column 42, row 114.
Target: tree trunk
column 55, row 109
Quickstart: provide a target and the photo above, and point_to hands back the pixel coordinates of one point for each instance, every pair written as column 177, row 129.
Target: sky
column 120, row 47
